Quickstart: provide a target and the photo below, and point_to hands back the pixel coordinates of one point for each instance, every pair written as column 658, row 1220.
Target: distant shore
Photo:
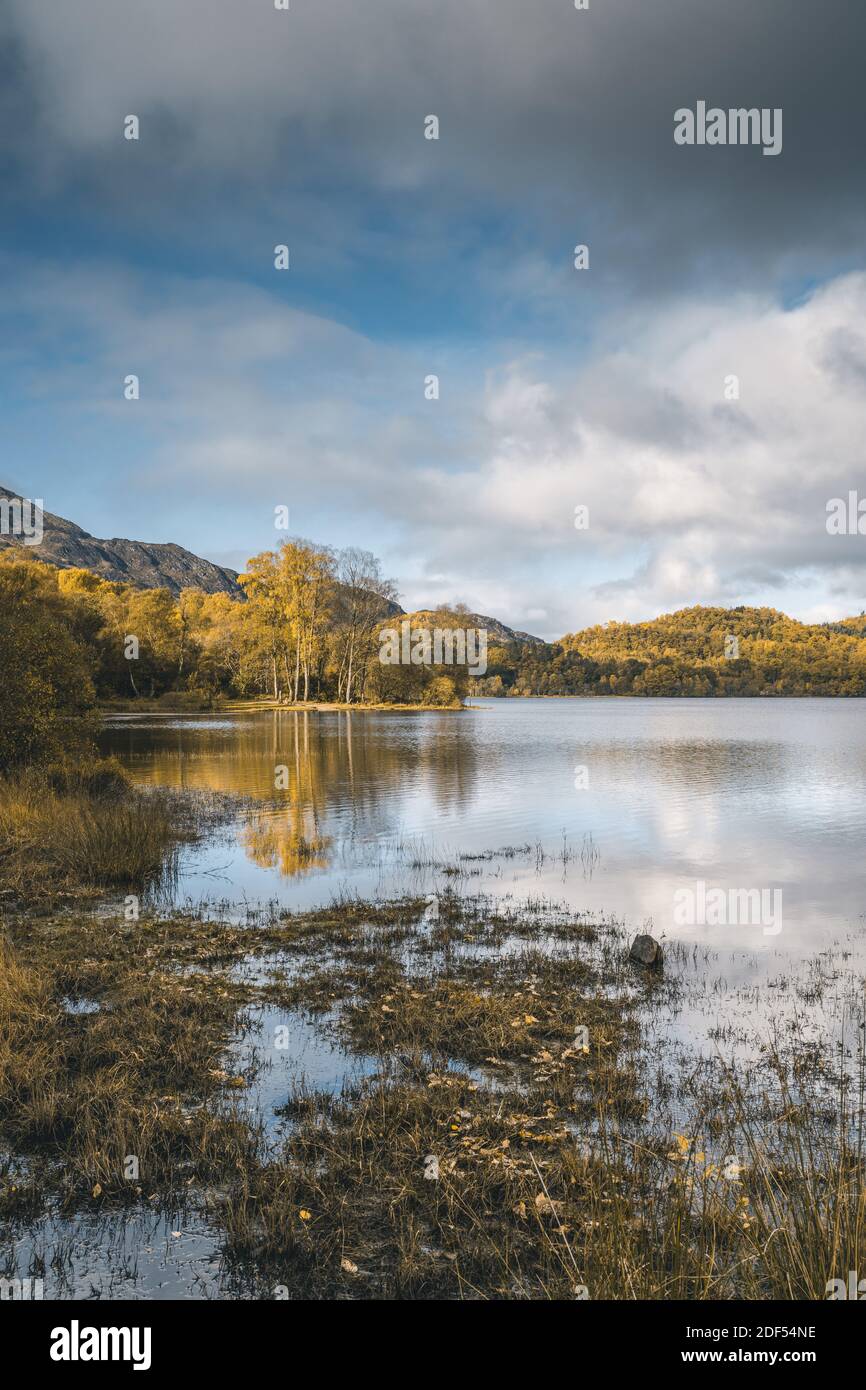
column 173, row 705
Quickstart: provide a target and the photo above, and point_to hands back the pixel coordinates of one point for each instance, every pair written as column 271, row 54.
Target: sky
column 607, row 387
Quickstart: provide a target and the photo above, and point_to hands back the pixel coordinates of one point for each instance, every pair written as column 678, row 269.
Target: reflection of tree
column 290, row 839
column 342, row 769
column 286, row 841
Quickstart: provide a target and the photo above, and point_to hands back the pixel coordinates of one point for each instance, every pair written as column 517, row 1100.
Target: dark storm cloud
column 454, row 257
column 555, row 121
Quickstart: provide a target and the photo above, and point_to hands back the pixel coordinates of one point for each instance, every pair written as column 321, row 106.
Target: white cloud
column 248, row 402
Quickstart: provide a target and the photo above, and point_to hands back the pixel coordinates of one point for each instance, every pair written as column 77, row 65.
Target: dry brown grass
column 553, row 1178
column 68, row 828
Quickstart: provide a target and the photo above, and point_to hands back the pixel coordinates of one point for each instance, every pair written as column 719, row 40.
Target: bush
column 195, row 699
column 94, row 777
column 441, row 690
column 66, row 829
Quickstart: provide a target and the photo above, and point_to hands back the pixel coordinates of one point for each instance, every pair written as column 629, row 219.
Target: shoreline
column 156, row 707
column 168, row 709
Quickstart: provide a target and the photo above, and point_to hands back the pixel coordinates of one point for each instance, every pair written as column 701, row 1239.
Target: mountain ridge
column 146, row 564
column 166, row 565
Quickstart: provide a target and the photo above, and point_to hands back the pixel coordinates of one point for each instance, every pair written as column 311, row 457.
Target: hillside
column 695, row 651
column 497, row 632
column 144, row 564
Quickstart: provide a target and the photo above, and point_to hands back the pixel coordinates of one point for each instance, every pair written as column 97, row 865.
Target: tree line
column 306, row 626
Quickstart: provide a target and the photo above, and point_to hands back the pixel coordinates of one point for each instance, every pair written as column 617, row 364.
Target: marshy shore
column 502, row 1130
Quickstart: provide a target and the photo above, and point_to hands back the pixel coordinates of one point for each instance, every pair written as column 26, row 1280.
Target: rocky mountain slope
column 149, row 566
column 497, row 632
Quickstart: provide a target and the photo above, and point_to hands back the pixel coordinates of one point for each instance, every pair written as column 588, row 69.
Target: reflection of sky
column 738, row 793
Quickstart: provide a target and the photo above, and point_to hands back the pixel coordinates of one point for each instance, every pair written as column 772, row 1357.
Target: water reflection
column 304, row 770
column 769, row 794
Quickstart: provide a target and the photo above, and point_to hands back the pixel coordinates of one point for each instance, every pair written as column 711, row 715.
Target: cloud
column 248, row 402
column 556, row 126
column 692, row 497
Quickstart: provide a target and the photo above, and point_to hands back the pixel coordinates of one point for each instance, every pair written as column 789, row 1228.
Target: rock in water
column 646, row 951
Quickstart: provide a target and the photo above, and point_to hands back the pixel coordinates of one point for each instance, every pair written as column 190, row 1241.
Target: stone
column 646, row 951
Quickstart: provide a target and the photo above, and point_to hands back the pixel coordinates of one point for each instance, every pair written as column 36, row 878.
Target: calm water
column 734, row 793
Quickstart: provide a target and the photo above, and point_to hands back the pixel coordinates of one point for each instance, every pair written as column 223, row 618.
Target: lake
column 614, row 806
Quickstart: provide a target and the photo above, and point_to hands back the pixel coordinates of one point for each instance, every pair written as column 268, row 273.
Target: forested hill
column 695, row 651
